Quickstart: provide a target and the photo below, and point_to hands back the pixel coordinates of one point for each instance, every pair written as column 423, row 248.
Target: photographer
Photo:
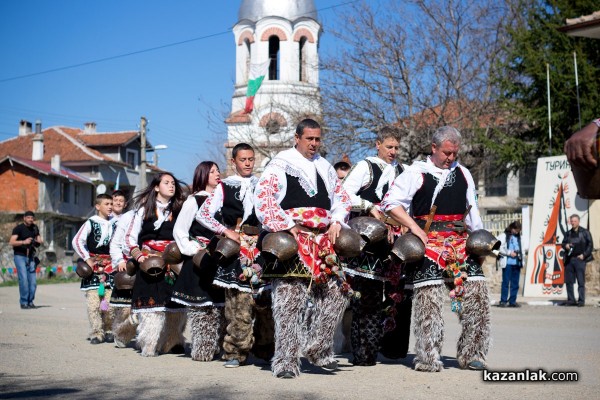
column 511, row 260
column 577, row 245
column 25, row 239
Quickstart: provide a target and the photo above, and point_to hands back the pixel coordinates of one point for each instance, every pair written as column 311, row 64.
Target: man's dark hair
column 341, row 165
column 306, row 123
column 29, row 213
column 239, row 147
column 118, row 192
column 574, row 216
column 388, row 132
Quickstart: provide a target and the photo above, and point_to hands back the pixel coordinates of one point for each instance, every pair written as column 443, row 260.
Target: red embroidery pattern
column 445, row 248
column 268, row 210
column 205, row 215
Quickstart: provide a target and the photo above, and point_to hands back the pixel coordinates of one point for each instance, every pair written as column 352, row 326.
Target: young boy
column 124, row 325
column 229, row 211
column 92, row 244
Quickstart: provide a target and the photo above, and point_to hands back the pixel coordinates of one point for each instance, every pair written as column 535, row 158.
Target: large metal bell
column 226, row 249
column 281, row 245
column 482, row 243
column 197, row 259
column 124, row 280
column 176, row 268
column 83, row 269
column 370, row 229
column 587, row 181
column 153, row 265
column 172, row 254
column 349, row 243
column 130, row 267
column 408, row 248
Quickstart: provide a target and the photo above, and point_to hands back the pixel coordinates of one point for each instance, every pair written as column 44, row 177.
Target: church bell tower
column 284, row 33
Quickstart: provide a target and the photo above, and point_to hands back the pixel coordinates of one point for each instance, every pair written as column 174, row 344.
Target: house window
column 527, row 180
column 92, row 196
column 495, row 181
column 75, row 194
column 69, row 235
column 131, row 158
column 65, row 192
column 274, row 57
column 302, row 59
column 248, row 56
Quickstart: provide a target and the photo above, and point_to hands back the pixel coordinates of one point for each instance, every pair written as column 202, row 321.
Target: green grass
column 43, row 281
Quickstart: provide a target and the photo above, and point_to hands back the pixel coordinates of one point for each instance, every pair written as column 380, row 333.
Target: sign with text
column 555, row 200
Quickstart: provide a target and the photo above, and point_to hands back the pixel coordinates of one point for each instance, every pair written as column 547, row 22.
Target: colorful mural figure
column 555, row 199
column 548, row 256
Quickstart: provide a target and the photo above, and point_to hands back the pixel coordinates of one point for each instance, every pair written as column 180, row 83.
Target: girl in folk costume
column 381, row 316
column 124, row 324
column 161, row 322
column 92, row 245
column 194, row 287
column 299, row 193
column 229, row 211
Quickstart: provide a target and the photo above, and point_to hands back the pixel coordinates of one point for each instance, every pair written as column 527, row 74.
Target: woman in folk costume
column 161, row 321
column 229, row 211
column 440, row 194
column 124, row 323
column 91, row 243
column 381, row 316
column 194, row 287
column 299, row 193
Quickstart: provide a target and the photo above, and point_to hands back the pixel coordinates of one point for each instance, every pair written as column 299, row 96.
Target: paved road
column 44, row 353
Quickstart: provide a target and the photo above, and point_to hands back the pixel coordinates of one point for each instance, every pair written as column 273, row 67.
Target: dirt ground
column 44, row 354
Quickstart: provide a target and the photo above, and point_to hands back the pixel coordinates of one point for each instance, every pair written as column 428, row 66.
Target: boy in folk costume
column 229, row 211
column 373, row 272
column 124, row 324
column 161, row 321
column 299, row 192
column 194, row 287
column 91, row 243
column 442, row 182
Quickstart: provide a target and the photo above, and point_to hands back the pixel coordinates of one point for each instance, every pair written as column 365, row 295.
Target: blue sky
column 175, row 87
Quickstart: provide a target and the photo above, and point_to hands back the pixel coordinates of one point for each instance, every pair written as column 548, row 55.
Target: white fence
column 497, row 223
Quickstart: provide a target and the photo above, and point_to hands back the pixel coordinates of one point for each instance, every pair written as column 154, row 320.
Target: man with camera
column 25, row 239
column 577, row 246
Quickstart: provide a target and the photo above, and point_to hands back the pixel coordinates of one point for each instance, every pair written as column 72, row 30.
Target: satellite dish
column 101, row 188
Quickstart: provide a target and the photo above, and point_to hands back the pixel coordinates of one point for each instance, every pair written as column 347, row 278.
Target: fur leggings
column 206, row 324
column 100, row 321
column 367, row 330
column 301, row 329
column 474, row 340
column 249, row 326
column 123, row 326
column 160, row 331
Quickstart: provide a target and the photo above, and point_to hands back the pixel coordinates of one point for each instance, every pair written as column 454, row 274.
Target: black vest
column 197, row 229
column 165, row 232
column 233, row 208
column 368, row 192
column 296, row 196
column 92, row 240
column 450, row 200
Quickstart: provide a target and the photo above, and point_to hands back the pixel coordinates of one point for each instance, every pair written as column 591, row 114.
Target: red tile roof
column 46, row 168
column 64, row 141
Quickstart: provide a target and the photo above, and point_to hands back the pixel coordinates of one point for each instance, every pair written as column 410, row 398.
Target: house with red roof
column 57, row 173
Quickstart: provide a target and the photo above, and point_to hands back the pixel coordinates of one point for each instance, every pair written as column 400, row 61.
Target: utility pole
column 143, row 183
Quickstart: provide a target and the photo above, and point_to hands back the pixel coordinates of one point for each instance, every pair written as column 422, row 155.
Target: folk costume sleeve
column 117, row 243
column 269, row 193
column 341, row 203
column 132, row 232
column 80, row 241
column 206, row 214
column 182, row 227
column 402, row 191
column 473, row 219
column 358, row 177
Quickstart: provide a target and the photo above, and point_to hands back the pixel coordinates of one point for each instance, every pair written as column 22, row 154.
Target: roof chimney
column 55, row 162
column 24, row 127
column 37, row 151
column 90, row 127
column 38, row 127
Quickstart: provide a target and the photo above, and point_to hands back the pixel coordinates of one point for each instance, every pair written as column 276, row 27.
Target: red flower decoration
column 308, row 214
column 321, row 212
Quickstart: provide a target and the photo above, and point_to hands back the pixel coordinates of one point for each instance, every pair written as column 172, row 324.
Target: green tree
column 536, row 41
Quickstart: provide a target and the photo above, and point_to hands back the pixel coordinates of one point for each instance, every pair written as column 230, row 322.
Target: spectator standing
column 511, row 261
column 25, row 239
column 577, row 245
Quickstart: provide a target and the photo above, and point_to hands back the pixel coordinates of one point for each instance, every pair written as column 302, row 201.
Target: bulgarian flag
column 255, row 79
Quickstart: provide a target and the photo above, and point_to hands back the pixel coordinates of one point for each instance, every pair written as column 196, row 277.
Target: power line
column 100, row 60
